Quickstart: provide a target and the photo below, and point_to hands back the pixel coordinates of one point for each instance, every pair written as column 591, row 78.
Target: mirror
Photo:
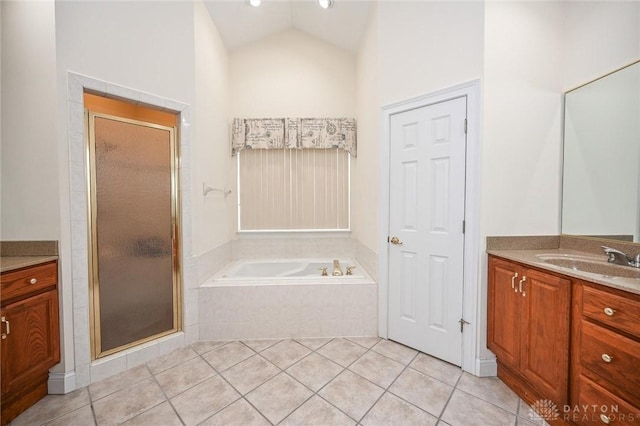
column 601, row 178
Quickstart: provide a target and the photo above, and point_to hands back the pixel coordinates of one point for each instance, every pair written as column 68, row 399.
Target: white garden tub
column 287, row 298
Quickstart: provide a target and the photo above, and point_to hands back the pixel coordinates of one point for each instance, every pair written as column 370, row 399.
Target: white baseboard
column 486, row 367
column 62, row 383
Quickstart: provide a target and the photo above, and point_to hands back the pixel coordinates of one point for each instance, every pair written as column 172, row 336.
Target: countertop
column 529, row 257
column 9, row 263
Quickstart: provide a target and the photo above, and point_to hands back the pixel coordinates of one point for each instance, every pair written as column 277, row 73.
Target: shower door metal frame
column 94, row 281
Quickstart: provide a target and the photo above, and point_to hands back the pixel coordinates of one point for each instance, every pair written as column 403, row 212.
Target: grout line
column 446, row 404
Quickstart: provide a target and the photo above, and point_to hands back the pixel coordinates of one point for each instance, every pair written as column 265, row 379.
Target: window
column 293, row 190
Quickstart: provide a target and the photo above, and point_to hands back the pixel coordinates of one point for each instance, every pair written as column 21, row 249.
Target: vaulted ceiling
column 240, row 24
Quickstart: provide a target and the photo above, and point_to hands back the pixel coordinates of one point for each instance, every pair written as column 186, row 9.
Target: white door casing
column 427, row 194
column 473, row 356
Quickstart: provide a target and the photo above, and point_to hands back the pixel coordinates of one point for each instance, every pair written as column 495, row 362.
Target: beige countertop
column 530, row 257
column 9, row 263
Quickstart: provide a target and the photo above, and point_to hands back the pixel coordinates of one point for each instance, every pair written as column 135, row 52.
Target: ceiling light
column 255, row 3
column 325, row 4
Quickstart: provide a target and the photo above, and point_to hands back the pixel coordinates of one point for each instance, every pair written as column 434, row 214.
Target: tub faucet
column 337, row 271
column 621, row 258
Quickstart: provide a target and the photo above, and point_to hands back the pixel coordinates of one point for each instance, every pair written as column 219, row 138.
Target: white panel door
column 426, row 213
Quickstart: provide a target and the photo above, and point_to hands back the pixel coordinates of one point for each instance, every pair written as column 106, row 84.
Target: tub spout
column 337, row 271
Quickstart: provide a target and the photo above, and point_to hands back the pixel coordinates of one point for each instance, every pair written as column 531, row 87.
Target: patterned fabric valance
column 293, row 133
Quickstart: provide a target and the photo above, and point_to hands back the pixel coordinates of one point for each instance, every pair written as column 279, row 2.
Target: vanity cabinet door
column 544, row 326
column 504, row 311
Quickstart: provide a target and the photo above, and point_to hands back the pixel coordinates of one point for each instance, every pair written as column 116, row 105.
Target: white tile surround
column 288, row 311
column 87, row 372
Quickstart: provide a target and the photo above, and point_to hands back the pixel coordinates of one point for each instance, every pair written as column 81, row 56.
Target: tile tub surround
column 288, row 311
column 288, row 382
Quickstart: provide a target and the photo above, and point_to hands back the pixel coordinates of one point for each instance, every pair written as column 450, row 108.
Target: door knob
column 396, row 241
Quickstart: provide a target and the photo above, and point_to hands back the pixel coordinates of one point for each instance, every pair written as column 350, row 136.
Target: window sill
column 296, row 233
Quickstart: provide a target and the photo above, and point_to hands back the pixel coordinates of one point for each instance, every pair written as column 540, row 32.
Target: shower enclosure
column 134, row 274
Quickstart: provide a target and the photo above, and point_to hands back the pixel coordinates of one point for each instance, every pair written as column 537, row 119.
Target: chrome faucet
column 621, row 258
column 337, row 271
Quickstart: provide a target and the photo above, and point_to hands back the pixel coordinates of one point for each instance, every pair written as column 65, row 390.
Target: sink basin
column 593, row 265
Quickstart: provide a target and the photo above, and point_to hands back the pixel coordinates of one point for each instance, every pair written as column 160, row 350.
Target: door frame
column 471, row 282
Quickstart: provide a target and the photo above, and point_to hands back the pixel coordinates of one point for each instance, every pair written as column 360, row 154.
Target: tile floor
column 363, row 381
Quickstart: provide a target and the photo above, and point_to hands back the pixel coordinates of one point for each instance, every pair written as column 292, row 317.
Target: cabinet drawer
column 611, row 356
column 595, row 405
column 28, row 280
column 622, row 313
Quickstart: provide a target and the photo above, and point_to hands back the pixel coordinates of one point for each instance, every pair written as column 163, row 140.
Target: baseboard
column 61, row 383
column 487, row 367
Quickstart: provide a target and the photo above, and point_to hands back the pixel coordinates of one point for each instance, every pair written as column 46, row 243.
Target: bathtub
column 287, row 298
column 286, row 272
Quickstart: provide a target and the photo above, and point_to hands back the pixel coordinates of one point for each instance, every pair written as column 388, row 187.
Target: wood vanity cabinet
column 605, row 366
column 30, row 340
column 528, row 329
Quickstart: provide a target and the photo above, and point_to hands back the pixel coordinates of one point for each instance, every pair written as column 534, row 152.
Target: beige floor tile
column 261, row 344
column 250, row 373
column 119, row 381
column 427, row 393
column 228, row 355
column 434, row 367
column 317, row 412
column 491, row 389
column 127, row 403
column 465, row 409
column 351, row 394
column 171, row 359
column 204, row 347
column 341, row 351
column 239, row 413
column 53, row 406
column 379, row 369
column 286, row 353
column 278, row 397
column 391, row 410
column 527, row 422
column 315, row 371
column 204, row 400
column 162, row 414
column 313, row 343
column 80, row 417
column 367, row 342
column 184, row 376
column 395, row 351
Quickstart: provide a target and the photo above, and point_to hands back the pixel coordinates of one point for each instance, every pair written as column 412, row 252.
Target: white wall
column 600, row 37
column 214, row 214
column 364, row 169
column 29, row 167
column 142, row 45
column 291, row 74
column 427, row 46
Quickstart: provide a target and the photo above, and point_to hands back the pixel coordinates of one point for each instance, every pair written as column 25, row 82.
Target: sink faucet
column 621, row 258
column 337, row 271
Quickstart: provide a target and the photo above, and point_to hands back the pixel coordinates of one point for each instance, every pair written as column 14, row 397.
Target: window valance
column 293, row 133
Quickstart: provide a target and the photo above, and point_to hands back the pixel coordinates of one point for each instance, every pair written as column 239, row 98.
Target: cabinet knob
column 33, row 280
column 609, row 311
column 605, row 419
column 607, row 358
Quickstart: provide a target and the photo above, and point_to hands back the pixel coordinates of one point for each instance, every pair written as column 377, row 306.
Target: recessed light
column 325, row 4
column 255, row 3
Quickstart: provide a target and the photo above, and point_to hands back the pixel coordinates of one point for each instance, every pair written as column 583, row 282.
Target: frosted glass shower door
column 134, row 234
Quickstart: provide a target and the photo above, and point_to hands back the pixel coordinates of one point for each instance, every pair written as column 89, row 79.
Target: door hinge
column 464, row 226
column 465, row 126
column 462, row 323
